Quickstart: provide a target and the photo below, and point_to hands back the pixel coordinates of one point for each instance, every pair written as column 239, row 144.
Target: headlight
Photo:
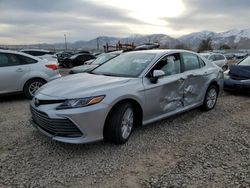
column 78, row 103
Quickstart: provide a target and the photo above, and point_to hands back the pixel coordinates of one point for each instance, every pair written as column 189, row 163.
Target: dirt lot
column 195, row 149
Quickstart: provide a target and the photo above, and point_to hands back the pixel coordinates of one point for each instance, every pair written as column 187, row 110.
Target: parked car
column 135, row 88
column 42, row 54
column 148, row 46
column 219, row 59
column 61, row 56
column 97, row 62
column 37, row 52
column 77, row 59
column 237, row 78
column 20, row 72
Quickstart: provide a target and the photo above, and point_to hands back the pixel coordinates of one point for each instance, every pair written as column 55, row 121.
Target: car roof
column 210, row 53
column 20, row 53
column 36, row 50
column 162, row 52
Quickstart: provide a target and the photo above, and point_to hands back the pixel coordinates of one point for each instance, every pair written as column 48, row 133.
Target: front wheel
column 32, row 86
column 120, row 124
column 210, row 98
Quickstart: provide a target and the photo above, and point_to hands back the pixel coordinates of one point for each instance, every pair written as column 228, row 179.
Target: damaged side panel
column 195, row 87
column 164, row 97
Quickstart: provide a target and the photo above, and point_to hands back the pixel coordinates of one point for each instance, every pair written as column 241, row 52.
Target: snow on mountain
column 194, row 39
column 235, row 38
column 236, row 33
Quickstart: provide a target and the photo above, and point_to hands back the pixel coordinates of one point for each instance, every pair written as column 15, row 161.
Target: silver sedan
column 133, row 89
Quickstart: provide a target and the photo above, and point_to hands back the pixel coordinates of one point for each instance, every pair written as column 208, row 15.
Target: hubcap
column 127, row 123
column 34, row 87
column 211, row 98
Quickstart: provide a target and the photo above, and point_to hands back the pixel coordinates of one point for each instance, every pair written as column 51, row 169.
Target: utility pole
column 65, row 41
column 97, row 43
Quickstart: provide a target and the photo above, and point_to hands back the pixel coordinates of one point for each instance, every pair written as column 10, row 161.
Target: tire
column 114, row 130
column 32, row 86
column 70, row 65
column 210, row 98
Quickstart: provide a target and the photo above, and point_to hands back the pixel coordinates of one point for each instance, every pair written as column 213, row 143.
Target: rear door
column 12, row 71
column 196, row 82
column 166, row 95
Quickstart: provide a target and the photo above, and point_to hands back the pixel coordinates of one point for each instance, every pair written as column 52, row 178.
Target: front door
column 166, row 95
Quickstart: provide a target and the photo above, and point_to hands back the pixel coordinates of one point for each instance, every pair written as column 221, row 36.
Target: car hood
column 81, row 85
column 239, row 71
column 83, row 68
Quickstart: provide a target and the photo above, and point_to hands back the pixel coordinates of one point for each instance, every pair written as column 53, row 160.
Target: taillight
column 52, row 66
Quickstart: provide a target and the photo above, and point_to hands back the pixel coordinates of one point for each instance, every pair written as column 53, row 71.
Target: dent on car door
column 11, row 72
column 166, row 95
column 197, row 81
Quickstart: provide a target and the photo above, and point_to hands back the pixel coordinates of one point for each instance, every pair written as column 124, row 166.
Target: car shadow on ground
column 12, row 98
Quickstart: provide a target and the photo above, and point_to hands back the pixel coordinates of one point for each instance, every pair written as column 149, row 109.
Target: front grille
column 43, row 102
column 56, row 127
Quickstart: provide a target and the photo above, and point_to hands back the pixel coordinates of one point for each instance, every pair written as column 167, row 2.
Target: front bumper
column 88, row 120
column 237, row 85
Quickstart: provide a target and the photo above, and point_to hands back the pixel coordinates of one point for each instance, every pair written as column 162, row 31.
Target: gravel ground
column 195, row 149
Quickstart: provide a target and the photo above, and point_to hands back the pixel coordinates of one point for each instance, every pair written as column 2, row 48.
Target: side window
column 26, row 60
column 212, row 58
column 13, row 60
column 190, row 61
column 4, row 60
column 170, row 64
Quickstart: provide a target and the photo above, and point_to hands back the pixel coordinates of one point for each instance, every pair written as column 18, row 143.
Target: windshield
column 126, row 65
column 245, row 61
column 103, row 58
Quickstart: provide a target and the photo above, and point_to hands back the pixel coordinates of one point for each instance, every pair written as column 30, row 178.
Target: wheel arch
column 33, row 78
column 215, row 83
column 136, row 105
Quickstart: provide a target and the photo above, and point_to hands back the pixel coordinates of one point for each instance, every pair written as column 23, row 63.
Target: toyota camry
column 133, row 89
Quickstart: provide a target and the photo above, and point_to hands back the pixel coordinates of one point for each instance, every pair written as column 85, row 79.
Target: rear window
column 219, row 57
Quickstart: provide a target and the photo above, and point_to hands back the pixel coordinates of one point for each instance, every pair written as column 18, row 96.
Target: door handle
column 19, row 70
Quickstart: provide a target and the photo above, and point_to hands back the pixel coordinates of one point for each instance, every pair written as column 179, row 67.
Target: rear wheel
column 210, row 98
column 120, row 124
column 70, row 65
column 32, row 86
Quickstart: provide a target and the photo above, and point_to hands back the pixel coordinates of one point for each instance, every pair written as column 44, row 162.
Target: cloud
column 48, row 21
column 30, row 21
column 215, row 15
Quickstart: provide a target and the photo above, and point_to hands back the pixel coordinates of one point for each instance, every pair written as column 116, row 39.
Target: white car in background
column 43, row 54
column 23, row 73
column 218, row 59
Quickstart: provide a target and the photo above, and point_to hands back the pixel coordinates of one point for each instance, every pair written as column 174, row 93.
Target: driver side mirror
column 156, row 75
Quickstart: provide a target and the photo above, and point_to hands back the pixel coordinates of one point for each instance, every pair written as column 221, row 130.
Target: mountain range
column 236, row 38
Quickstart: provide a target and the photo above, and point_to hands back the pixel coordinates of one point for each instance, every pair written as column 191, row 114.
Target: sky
column 47, row 21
